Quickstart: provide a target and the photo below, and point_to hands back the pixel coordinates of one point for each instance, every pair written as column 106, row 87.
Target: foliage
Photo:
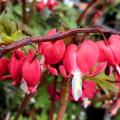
column 62, row 17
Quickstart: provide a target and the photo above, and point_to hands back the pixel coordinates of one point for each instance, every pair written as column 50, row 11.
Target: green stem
column 23, row 105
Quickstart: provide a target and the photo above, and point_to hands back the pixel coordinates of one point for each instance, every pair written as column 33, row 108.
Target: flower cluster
column 50, row 4
column 80, row 63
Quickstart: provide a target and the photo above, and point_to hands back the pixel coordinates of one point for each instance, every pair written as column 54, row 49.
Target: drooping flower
column 85, row 59
column 52, row 51
column 110, row 52
column 79, row 62
column 70, row 67
column 31, row 72
column 40, row 6
column 50, row 4
column 89, row 88
column 3, row 66
column 15, row 66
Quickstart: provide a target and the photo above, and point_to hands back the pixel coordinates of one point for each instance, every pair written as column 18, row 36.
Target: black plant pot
column 95, row 113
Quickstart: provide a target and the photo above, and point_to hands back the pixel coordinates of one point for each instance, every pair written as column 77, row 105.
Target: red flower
column 15, row 66
column 50, row 4
column 40, row 6
column 3, row 66
column 31, row 72
column 79, row 62
column 52, row 51
column 85, row 59
column 89, row 88
column 110, row 52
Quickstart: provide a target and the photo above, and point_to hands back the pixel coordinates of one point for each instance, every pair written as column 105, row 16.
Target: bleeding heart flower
column 50, row 4
column 15, row 66
column 31, row 72
column 52, row 51
column 89, row 88
column 79, row 62
column 40, row 6
column 70, row 66
column 115, row 107
column 110, row 52
column 3, row 66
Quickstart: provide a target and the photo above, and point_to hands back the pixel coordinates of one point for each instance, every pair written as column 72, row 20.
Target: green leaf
column 17, row 35
column 42, row 99
column 106, row 83
column 103, row 76
column 18, row 9
column 107, row 86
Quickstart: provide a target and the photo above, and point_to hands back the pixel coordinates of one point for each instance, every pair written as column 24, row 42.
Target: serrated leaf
column 17, row 35
column 102, row 76
column 5, row 39
column 18, row 9
column 104, row 89
column 107, row 86
column 7, row 26
column 106, row 83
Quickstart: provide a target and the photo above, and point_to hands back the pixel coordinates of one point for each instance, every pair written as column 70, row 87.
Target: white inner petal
column 45, row 1
column 86, row 102
column 118, row 69
column 77, row 85
column 24, row 87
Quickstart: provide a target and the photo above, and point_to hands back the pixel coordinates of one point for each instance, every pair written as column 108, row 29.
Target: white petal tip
column 86, row 102
column 76, row 98
column 118, row 69
column 24, row 87
column 77, row 86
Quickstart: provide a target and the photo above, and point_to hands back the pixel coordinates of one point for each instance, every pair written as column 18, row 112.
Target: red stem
column 58, row 36
column 53, row 100
column 24, row 11
column 6, row 77
column 82, row 16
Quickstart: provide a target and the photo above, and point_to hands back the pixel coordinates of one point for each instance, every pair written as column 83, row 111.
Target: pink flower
column 52, row 51
column 40, row 6
column 50, row 4
column 31, row 72
column 79, row 62
column 15, row 66
column 89, row 89
column 3, row 66
column 87, row 56
column 110, row 52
